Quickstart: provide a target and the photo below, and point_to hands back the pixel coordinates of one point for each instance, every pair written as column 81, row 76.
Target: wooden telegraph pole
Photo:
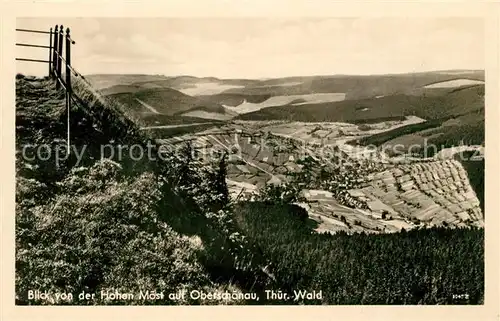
column 50, row 53
column 68, row 82
column 55, row 53
column 59, row 54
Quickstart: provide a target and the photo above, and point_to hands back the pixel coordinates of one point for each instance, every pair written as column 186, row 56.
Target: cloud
column 257, row 47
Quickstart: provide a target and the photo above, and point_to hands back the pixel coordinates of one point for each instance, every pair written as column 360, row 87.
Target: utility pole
column 68, row 83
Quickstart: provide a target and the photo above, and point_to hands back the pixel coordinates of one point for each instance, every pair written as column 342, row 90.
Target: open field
column 206, row 88
column 204, row 114
column 290, row 100
column 454, row 83
column 325, row 133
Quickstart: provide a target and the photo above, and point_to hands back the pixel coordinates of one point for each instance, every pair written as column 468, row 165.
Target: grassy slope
column 158, row 92
column 166, row 101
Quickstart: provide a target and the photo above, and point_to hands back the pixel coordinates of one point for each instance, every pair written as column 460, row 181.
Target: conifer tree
column 220, row 180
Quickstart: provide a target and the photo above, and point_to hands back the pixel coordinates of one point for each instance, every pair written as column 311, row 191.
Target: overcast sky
column 262, row 48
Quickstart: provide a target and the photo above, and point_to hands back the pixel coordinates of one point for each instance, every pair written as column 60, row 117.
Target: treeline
column 428, row 138
column 152, row 119
column 424, row 266
column 468, row 127
column 475, row 173
column 159, row 133
column 379, row 139
column 453, row 136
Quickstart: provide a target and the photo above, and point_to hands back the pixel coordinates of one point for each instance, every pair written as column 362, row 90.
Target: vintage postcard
column 333, row 160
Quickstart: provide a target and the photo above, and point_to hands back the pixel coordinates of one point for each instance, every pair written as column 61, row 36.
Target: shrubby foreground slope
column 109, row 225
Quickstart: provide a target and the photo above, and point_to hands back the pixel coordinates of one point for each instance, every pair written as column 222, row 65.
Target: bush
column 284, row 193
column 103, row 233
column 364, row 127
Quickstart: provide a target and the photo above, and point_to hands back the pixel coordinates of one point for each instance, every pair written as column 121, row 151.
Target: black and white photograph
column 250, row 161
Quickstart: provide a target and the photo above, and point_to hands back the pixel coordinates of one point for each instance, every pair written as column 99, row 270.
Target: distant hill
column 371, row 98
column 355, row 87
column 161, row 100
column 186, row 84
column 102, row 81
column 449, row 103
column 235, row 99
column 452, row 120
column 167, row 102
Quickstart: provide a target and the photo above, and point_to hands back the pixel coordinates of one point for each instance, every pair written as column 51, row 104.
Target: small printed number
column 464, row 296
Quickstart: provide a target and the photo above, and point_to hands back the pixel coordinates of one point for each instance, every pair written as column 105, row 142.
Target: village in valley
column 343, row 187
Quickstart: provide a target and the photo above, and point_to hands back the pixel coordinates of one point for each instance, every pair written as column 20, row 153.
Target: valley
column 333, row 138
column 392, row 195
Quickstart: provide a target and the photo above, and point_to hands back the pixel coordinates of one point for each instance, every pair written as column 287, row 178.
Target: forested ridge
column 423, row 266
